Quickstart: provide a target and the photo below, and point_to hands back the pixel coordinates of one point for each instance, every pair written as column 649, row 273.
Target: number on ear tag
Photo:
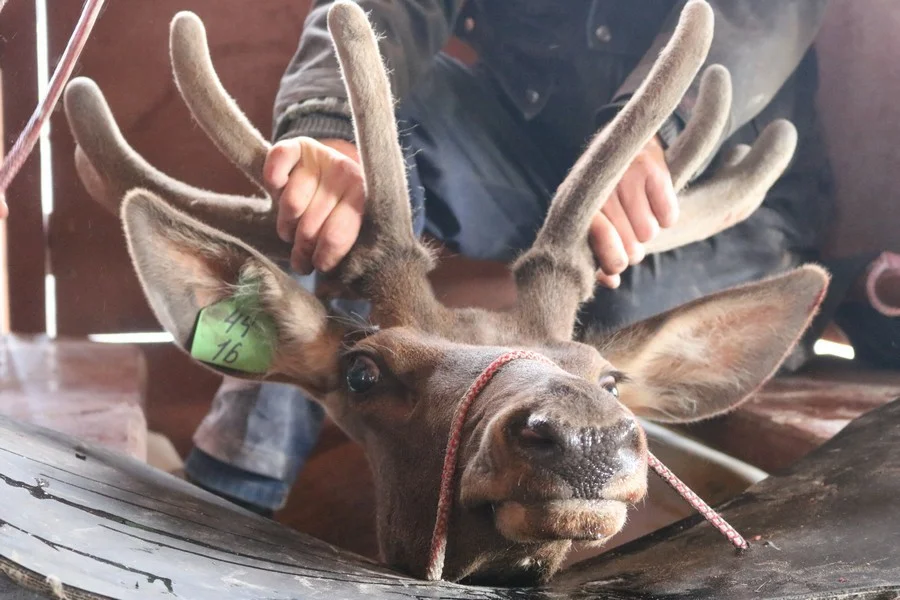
column 234, row 334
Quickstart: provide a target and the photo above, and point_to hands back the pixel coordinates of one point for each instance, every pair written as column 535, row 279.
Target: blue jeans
column 481, row 180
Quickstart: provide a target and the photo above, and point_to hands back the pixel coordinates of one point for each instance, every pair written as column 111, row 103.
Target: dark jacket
column 538, row 50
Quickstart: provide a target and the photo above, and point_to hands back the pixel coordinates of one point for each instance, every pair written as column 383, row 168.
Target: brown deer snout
column 560, row 463
column 584, row 457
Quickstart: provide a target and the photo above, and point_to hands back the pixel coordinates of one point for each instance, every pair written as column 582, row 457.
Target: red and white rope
column 29, row 136
column 445, row 499
column 438, row 552
column 695, row 501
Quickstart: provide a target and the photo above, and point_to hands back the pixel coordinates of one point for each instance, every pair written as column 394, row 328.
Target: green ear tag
column 235, row 334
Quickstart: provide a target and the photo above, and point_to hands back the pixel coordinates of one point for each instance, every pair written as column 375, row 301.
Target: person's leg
column 253, row 443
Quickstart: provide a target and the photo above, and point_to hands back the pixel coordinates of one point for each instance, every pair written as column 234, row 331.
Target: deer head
column 551, row 452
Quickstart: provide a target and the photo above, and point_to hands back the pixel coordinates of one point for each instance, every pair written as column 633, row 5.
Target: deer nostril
column 627, row 436
column 585, row 458
column 537, row 432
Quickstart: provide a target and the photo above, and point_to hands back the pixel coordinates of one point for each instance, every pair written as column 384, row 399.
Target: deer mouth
column 572, row 486
column 531, row 505
column 573, row 519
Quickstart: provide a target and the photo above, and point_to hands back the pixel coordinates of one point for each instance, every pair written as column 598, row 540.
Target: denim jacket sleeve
column 311, row 100
column 760, row 42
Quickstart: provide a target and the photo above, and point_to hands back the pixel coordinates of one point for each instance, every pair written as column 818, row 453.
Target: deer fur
column 550, row 454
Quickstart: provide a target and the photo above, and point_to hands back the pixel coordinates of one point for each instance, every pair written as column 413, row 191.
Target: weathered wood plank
column 10, row 590
column 110, row 525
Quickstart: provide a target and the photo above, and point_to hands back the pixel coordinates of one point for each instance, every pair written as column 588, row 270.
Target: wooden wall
column 25, row 237
column 97, row 291
column 860, row 85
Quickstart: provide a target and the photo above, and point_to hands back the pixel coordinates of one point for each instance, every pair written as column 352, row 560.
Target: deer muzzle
column 582, row 459
column 563, row 467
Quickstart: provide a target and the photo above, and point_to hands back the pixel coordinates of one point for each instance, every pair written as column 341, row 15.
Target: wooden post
column 25, row 238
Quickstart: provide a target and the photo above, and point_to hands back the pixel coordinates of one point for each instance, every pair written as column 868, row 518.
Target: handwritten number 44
column 238, row 318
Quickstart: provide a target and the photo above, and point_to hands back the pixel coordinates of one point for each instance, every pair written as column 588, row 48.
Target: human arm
column 311, row 100
column 313, row 169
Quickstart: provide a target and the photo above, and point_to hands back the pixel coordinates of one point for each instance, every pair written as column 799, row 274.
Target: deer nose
column 586, row 458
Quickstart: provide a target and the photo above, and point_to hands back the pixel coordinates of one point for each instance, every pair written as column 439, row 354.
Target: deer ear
column 199, row 281
column 706, row 357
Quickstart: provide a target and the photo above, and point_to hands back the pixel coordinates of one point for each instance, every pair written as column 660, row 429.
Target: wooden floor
column 92, row 391
column 820, row 530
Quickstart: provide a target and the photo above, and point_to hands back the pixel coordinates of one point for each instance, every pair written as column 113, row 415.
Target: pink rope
column 695, row 501
column 438, row 551
column 439, row 537
column 29, row 136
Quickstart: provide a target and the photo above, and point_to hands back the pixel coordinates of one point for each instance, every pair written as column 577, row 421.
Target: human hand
column 644, row 201
column 318, row 185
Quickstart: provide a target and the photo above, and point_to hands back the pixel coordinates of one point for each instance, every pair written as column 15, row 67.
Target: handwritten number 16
column 232, row 354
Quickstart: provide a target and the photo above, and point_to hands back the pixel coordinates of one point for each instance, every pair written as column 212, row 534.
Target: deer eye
column 362, row 374
column 609, row 384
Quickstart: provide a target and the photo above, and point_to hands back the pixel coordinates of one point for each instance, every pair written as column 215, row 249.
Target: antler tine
column 373, row 114
column 734, row 192
column 210, row 104
column 735, row 155
column 705, row 128
column 557, row 274
column 388, row 263
column 739, row 187
column 109, row 167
